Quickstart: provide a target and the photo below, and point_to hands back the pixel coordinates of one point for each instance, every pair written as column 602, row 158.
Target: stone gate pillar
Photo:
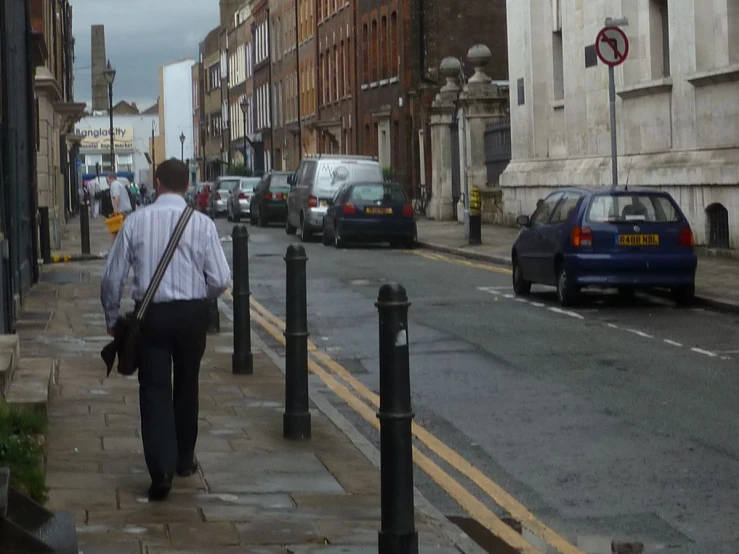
column 442, row 116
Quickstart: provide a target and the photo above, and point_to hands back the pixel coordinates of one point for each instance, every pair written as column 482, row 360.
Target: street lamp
column 182, row 147
column 244, row 110
column 109, row 74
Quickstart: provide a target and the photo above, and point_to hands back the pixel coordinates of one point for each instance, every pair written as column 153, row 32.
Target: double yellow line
column 460, row 261
column 365, row 402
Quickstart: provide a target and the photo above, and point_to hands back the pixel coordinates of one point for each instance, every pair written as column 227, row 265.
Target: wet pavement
column 614, row 421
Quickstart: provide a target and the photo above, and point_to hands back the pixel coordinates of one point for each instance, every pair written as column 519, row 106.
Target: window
column 373, row 52
column 365, row 54
column 558, row 82
column 337, row 95
column 545, row 209
column 378, row 193
column 367, row 139
column 384, row 46
column 655, row 208
column 348, row 73
column 394, row 54
column 659, row 38
column 566, row 208
column 341, row 65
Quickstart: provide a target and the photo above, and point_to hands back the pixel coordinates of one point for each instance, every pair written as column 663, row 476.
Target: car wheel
column 521, row 286
column 305, row 234
column 326, row 237
column 567, row 292
column 262, row 219
column 684, row 295
column 289, row 229
column 252, row 219
column 626, row 292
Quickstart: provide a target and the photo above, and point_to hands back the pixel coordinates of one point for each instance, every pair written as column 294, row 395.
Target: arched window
column 394, row 54
column 384, row 46
column 365, row 54
column 374, row 52
column 717, row 226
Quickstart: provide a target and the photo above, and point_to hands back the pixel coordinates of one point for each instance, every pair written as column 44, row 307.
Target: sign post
column 612, row 47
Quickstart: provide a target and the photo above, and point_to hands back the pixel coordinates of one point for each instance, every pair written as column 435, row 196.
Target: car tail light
column 408, row 210
column 243, row 196
column 278, row 195
column 686, row 236
column 268, row 196
column 582, row 236
column 349, row 209
column 312, row 202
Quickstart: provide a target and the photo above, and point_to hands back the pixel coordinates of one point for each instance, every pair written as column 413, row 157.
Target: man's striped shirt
column 198, row 270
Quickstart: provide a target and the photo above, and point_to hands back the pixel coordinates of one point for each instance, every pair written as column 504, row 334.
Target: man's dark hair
column 173, row 175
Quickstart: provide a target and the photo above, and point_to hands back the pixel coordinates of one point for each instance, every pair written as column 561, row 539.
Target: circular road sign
column 612, row 46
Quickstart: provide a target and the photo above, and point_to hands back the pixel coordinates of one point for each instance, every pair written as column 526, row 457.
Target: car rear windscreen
column 279, row 183
column 227, row 185
column 249, row 184
column 377, row 193
column 616, row 208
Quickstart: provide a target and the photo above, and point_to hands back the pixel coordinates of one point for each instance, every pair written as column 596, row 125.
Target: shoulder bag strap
column 161, row 269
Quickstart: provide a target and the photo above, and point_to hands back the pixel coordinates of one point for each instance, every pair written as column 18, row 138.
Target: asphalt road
column 615, row 420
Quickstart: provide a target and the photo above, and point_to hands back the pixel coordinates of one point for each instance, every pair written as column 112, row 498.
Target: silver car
column 316, row 181
column 218, row 203
column 239, row 201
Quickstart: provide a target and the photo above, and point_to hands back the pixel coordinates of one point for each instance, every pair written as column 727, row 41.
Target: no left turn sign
column 612, row 46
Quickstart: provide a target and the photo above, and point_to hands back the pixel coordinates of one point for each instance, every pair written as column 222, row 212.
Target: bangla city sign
column 97, row 138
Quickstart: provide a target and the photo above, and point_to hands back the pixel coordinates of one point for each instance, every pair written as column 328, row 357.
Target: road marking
column 565, row 312
column 485, row 267
column 705, row 352
column 612, row 326
column 465, row 499
column 487, row 485
column 673, row 343
column 639, row 333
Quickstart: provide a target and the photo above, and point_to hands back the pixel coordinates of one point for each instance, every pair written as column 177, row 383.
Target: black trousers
column 173, row 335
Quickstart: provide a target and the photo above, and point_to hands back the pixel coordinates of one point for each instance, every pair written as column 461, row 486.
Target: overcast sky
column 140, row 36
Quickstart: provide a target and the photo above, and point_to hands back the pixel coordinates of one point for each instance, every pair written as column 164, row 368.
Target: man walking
column 119, row 196
column 174, row 329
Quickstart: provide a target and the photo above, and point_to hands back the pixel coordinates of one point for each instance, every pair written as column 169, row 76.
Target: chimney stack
column 99, row 61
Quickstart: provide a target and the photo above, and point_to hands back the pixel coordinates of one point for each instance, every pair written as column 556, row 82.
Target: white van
column 316, row 181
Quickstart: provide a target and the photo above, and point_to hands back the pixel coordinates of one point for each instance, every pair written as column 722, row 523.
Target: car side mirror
column 291, row 179
column 522, row 220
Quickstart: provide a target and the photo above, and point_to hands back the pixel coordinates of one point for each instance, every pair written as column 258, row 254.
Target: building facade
column 211, row 105
column 677, row 109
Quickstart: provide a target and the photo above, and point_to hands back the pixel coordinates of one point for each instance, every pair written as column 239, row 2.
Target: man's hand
column 111, row 331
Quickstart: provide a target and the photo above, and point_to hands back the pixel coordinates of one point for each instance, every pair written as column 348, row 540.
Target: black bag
column 128, row 328
column 106, row 203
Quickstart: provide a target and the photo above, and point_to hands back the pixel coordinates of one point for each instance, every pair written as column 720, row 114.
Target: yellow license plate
column 638, row 240
column 379, row 211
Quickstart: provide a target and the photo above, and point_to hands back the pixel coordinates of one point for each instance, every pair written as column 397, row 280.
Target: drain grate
column 482, row 536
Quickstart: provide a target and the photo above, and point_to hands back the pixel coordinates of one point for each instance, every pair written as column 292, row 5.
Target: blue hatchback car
column 624, row 239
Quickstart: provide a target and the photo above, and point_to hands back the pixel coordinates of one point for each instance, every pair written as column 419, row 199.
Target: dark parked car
column 370, row 212
column 603, row 238
column 269, row 201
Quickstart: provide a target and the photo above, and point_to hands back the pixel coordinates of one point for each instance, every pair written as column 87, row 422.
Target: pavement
column 716, row 282
column 254, row 492
column 616, row 420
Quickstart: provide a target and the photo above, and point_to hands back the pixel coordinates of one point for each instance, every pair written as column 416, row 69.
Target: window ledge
column 393, row 80
column 727, row 74
column 558, row 105
column 365, row 86
column 384, row 82
column 648, row 88
column 374, row 84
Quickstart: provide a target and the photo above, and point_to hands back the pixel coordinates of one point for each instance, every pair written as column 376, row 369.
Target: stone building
column 336, row 117
column 677, row 109
column 211, row 106
column 400, row 46
column 261, row 93
column 240, row 86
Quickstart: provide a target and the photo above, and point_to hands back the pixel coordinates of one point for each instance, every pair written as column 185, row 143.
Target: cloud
column 140, row 36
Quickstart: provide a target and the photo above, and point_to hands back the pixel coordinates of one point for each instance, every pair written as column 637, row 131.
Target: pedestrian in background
column 119, row 196
column 175, row 326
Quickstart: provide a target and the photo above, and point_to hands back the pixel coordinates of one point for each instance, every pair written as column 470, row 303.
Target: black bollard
column 296, row 420
column 45, row 235
column 398, row 534
column 475, row 217
column 85, row 227
column 243, row 361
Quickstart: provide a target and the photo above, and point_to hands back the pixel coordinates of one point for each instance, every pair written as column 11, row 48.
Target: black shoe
column 187, row 470
column 160, row 491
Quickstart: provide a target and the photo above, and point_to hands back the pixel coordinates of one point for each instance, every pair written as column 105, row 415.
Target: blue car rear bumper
column 664, row 270
column 377, row 230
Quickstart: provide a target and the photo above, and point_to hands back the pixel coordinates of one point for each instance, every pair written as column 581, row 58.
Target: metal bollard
column 398, row 534
column 475, row 217
column 85, row 227
column 242, row 361
column 296, row 420
column 45, row 235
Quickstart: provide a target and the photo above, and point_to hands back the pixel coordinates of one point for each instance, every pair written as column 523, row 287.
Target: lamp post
column 182, row 147
column 244, row 110
column 203, row 138
column 109, row 74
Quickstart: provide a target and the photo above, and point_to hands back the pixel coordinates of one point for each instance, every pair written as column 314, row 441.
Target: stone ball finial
column 480, row 57
column 450, row 69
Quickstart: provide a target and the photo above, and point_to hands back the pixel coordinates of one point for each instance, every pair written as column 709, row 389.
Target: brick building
column 211, row 118
column 261, row 97
column 336, row 115
column 240, row 86
column 284, row 83
column 399, row 48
